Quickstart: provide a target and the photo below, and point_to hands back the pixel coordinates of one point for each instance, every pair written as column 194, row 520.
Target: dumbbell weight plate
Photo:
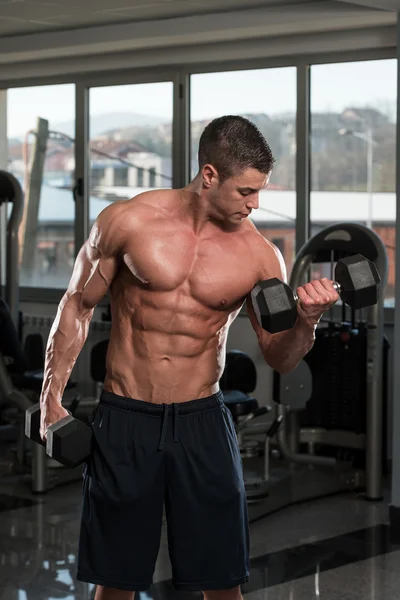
column 69, row 441
column 359, row 281
column 32, row 424
column 274, row 305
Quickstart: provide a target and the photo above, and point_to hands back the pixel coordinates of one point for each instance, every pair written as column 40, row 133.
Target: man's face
column 236, row 197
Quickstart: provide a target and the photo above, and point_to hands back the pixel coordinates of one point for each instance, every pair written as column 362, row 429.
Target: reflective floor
column 340, row 547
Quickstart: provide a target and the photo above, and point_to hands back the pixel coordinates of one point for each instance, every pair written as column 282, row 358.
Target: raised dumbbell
column 68, row 441
column 275, row 305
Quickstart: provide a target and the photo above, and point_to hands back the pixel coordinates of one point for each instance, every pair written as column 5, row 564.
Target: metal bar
column 285, row 450
column 12, row 249
column 33, row 187
column 374, row 403
column 82, row 165
column 395, row 491
column 370, row 176
column 266, row 458
column 303, row 156
column 39, row 469
column 3, row 165
column 181, row 132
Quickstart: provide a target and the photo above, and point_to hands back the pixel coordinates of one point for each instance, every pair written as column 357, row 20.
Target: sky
column 270, row 91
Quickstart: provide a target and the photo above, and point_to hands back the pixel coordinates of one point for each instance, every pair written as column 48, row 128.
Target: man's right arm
column 283, row 351
column 95, row 268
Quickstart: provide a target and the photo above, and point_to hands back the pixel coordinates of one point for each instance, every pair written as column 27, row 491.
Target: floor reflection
column 38, row 546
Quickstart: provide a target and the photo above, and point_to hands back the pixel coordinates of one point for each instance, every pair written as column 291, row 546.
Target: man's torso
column 173, row 300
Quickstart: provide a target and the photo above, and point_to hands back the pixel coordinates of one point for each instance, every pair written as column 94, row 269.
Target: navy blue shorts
column 146, row 456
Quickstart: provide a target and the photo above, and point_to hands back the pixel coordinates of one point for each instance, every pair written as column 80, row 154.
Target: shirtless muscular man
column 178, row 265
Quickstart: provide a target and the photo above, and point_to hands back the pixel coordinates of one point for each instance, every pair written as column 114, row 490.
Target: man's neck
column 198, row 205
column 195, row 186
column 201, row 211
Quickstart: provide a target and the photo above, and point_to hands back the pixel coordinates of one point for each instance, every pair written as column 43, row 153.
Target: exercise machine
column 11, row 191
column 20, row 384
column 288, row 461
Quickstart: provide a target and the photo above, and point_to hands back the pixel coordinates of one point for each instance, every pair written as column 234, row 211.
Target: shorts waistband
column 164, row 411
column 183, row 408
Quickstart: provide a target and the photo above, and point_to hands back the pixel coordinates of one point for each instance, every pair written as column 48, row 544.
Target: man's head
column 235, row 163
column 233, row 144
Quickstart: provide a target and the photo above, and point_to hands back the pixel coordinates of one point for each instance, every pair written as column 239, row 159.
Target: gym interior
column 102, row 100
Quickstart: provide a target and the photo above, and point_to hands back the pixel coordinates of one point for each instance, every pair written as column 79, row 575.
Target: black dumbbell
column 68, row 441
column 275, row 305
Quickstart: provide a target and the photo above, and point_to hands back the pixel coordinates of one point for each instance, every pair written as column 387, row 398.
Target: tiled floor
column 339, row 547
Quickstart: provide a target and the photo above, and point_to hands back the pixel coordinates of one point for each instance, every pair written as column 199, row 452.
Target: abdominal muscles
column 166, row 347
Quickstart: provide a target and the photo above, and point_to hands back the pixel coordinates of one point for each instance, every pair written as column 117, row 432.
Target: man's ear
column 209, row 175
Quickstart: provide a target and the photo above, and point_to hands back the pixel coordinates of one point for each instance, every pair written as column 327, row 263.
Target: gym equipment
column 275, row 305
column 21, row 380
column 238, row 381
column 20, row 387
column 11, row 191
column 329, row 245
column 68, row 441
column 299, row 461
column 340, row 351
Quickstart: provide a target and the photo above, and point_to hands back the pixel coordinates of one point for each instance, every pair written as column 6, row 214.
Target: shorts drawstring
column 176, row 421
column 164, row 426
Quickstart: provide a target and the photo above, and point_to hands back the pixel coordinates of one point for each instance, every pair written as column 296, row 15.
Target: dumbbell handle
column 336, row 285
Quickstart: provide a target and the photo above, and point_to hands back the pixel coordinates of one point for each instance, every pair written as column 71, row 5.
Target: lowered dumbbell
column 68, row 441
column 275, row 305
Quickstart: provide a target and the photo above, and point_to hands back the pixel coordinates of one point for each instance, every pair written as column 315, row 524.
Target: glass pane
column 268, row 98
column 130, row 141
column 41, row 154
column 353, row 128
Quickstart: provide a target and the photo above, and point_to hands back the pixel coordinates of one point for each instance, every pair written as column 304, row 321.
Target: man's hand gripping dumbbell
column 67, row 439
column 277, row 308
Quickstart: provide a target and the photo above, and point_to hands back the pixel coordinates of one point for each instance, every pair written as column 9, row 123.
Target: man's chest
column 218, row 272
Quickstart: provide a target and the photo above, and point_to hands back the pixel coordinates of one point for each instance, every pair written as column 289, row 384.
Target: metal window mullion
column 181, row 131
column 395, row 491
column 81, row 165
column 303, row 156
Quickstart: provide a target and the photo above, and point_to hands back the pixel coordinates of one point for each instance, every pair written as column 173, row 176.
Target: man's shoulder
column 256, row 239
column 163, row 200
column 135, row 210
column 266, row 255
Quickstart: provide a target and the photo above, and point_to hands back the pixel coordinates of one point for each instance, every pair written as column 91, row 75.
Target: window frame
column 180, row 77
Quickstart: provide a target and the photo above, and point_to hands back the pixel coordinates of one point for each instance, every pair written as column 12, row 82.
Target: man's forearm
column 285, row 350
column 66, row 339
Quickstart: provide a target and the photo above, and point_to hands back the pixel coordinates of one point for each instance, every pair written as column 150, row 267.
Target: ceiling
column 128, row 29
column 34, row 16
column 383, row 4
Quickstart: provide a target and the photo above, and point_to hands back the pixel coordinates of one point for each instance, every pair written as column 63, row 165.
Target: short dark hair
column 232, row 144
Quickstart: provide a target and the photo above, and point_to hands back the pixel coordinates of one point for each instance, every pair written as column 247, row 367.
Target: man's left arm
column 283, row 351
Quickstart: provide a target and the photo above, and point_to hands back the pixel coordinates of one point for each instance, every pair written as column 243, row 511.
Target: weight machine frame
column 43, row 477
column 310, row 476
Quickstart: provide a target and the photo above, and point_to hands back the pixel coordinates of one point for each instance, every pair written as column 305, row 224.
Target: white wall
column 242, row 337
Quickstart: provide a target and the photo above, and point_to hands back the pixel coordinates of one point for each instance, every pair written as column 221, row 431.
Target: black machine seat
column 238, row 381
column 239, row 404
